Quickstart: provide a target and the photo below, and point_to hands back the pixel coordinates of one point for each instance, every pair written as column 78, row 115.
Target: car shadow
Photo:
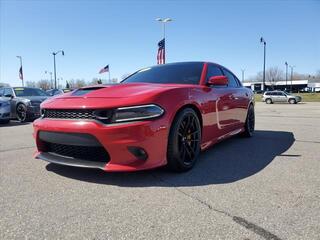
column 14, row 123
column 229, row 161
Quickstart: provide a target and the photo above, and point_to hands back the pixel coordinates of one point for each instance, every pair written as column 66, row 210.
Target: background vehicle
column 4, row 110
column 24, row 101
column 280, row 96
column 159, row 115
column 53, row 92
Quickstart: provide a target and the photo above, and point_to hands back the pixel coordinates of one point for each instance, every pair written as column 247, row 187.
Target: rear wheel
column 250, row 122
column 292, row 101
column 268, row 101
column 184, row 141
column 22, row 112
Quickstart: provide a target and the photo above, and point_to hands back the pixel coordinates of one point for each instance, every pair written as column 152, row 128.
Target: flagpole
column 109, row 74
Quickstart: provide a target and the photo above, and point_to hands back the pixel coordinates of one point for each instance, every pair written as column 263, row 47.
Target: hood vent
column 83, row 91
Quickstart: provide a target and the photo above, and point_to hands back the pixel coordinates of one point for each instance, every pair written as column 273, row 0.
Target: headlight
column 135, row 113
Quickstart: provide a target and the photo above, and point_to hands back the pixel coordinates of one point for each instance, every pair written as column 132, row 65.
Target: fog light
column 138, row 152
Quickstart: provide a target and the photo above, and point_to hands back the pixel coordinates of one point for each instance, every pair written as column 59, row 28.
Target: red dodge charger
column 161, row 115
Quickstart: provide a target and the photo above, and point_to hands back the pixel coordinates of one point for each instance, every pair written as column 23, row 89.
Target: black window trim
column 235, row 78
column 220, row 68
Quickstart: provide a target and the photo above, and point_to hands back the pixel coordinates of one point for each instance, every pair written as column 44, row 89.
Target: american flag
column 161, row 56
column 105, row 69
column 20, row 73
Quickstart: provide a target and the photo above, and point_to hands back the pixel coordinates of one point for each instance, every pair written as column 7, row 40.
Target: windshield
column 21, row 92
column 180, row 73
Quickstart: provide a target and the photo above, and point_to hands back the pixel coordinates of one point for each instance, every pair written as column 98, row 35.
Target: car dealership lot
column 266, row 187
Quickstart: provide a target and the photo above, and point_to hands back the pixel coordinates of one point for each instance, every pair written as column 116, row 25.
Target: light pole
column 242, row 70
column 20, row 70
column 164, row 21
column 46, row 72
column 54, row 66
column 291, row 76
column 286, row 74
column 264, row 62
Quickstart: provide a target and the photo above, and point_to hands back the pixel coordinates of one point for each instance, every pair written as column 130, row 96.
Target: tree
column 31, row 84
column 44, row 84
column 4, row 84
column 274, row 74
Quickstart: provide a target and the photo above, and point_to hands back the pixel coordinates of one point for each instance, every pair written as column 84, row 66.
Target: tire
column 184, row 141
column 22, row 113
column 268, row 101
column 292, row 101
column 250, row 122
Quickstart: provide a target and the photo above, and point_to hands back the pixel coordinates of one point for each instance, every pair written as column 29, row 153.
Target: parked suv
column 279, row 96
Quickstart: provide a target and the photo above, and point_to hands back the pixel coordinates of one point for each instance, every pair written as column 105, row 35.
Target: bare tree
column 44, row 84
column 274, row 74
column 4, row 84
column 31, row 84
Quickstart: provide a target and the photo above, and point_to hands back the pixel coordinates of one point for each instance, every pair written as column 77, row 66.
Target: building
column 294, row 86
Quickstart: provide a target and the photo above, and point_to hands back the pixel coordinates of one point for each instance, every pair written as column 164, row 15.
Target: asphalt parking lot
column 266, row 187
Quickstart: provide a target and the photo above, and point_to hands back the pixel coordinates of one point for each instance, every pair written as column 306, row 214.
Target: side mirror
column 218, row 81
column 8, row 95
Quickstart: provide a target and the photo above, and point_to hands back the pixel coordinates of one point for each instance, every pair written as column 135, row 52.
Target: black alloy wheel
column 250, row 122
column 22, row 113
column 184, row 141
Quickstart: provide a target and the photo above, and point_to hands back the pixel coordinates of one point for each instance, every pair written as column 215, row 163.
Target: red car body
column 222, row 112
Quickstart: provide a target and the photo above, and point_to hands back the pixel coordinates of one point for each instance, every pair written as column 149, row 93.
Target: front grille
column 95, row 154
column 68, row 113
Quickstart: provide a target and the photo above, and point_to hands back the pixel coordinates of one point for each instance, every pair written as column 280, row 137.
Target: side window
column 1, row 92
column 213, row 71
column 231, row 80
column 8, row 91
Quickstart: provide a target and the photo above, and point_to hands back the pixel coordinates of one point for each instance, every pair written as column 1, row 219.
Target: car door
column 221, row 101
column 282, row 97
column 237, row 102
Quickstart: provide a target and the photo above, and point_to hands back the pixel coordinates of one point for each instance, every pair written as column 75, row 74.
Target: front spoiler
column 75, row 162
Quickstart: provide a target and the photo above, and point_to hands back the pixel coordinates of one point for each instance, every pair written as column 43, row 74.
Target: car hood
column 114, row 95
column 35, row 98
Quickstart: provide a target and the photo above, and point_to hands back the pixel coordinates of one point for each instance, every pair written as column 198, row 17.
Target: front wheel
column 22, row 112
column 250, row 122
column 184, row 141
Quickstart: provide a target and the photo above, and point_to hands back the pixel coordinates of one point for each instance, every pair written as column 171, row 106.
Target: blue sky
column 124, row 34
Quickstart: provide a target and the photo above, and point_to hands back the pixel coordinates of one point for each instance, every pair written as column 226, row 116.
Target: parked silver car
column 4, row 110
column 280, row 96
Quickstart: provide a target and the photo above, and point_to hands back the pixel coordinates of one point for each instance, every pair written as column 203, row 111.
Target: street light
column 264, row 62
column 20, row 70
column 46, row 72
column 54, row 66
column 286, row 74
column 164, row 21
column 291, row 76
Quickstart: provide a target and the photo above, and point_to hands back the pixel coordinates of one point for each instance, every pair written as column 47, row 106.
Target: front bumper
column 116, row 139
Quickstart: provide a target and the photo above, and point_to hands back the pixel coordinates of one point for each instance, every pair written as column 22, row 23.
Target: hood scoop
column 83, row 91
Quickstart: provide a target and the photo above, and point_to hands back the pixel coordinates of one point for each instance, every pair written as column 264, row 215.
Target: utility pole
column 291, row 77
column 242, row 70
column 54, row 66
column 286, row 74
column 264, row 62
